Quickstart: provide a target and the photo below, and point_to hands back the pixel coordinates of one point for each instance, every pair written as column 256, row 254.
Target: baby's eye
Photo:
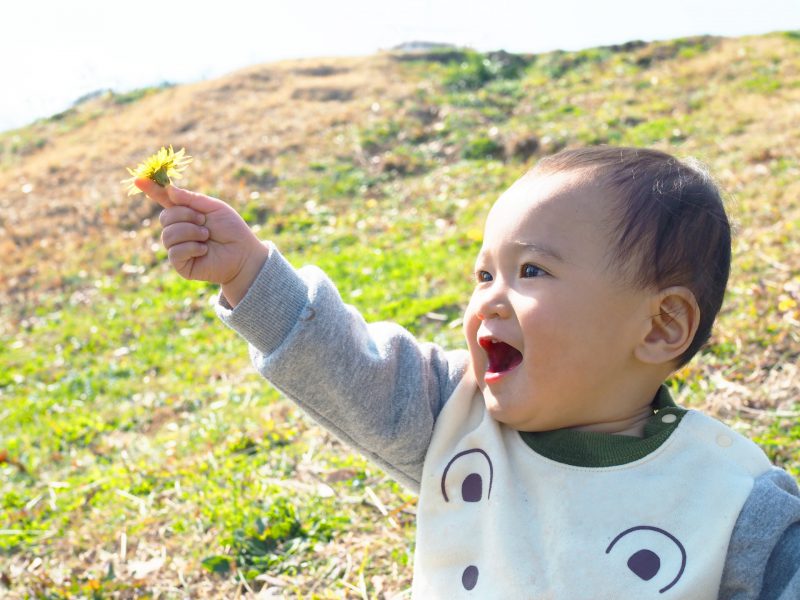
column 529, row 270
column 483, row 276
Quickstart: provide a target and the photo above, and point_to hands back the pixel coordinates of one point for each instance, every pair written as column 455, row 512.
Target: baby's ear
column 674, row 318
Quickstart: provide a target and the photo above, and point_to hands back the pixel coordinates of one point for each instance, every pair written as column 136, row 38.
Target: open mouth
column 502, row 357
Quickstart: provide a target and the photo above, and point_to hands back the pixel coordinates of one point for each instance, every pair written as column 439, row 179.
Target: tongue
column 503, row 357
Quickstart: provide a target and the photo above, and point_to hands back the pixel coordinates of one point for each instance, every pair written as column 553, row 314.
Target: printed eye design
column 645, row 563
column 472, row 491
column 472, row 486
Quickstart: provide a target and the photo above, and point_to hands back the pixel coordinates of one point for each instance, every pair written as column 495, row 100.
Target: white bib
column 497, row 520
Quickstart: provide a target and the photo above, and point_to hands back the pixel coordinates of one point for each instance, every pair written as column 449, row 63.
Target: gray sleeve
column 763, row 559
column 374, row 386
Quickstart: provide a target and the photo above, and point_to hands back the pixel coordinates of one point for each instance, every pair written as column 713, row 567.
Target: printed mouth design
column 502, row 357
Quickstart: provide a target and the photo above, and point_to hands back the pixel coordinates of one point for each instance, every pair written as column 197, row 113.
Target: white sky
column 54, row 51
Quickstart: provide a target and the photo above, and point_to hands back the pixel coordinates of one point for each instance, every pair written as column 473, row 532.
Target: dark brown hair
column 669, row 221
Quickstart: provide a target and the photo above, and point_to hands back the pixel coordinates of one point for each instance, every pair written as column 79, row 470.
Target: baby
column 550, row 460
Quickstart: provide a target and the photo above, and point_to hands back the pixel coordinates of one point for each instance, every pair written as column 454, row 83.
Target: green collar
column 592, row 449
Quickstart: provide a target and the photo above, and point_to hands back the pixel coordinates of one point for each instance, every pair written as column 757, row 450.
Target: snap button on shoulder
column 669, row 418
column 724, row 441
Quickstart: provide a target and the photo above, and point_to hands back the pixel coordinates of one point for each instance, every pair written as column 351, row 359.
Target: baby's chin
column 508, row 415
column 503, row 412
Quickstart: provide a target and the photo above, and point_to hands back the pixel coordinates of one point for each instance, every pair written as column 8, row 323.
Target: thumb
column 153, row 191
column 194, row 200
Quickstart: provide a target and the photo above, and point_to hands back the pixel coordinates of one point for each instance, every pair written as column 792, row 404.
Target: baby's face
column 550, row 329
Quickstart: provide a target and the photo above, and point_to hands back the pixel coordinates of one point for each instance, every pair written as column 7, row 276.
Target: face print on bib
column 644, row 557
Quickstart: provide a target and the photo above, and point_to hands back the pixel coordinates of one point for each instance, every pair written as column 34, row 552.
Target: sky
column 53, row 52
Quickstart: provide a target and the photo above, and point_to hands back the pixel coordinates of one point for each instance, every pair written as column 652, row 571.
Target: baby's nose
column 493, row 304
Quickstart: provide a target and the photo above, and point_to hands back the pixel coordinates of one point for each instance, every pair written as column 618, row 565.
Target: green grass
column 145, row 404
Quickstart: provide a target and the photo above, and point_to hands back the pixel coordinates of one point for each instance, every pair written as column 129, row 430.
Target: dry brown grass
column 278, row 116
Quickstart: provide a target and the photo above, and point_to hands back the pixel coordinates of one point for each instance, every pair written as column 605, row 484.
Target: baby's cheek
column 470, row 329
column 470, row 322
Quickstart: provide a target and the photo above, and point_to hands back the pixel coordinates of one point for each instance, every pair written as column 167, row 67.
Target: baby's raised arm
column 372, row 385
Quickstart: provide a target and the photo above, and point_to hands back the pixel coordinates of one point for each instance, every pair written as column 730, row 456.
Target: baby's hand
column 207, row 240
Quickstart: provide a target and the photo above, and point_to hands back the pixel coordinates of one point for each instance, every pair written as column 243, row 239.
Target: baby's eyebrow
column 542, row 249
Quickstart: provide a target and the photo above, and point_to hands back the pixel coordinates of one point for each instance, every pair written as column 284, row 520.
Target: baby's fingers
column 178, row 233
column 181, row 255
column 181, row 214
column 199, row 202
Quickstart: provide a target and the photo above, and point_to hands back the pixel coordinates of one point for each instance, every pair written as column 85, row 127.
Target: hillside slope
column 140, row 455
column 60, row 177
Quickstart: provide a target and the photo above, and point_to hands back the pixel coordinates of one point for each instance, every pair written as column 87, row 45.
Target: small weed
column 764, row 81
column 476, row 70
column 482, row 148
column 138, row 94
column 262, row 178
column 380, row 137
column 404, row 160
column 653, row 131
column 558, row 64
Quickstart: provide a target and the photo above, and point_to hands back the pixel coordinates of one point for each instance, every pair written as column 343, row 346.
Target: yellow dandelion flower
column 161, row 167
column 786, row 303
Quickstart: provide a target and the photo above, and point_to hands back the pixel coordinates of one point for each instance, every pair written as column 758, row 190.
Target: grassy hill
column 140, row 456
